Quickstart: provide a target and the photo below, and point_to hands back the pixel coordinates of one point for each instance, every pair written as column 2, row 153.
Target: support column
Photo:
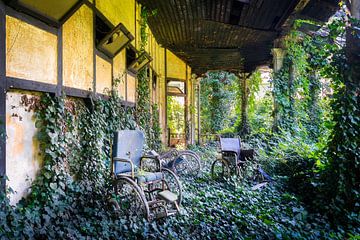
column 278, row 60
column 192, row 108
column 291, row 89
column 244, row 88
column 198, row 112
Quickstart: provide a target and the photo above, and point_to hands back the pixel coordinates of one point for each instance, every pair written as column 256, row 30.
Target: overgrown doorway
column 176, row 112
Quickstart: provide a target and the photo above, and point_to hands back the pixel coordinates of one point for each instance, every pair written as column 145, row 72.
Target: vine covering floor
column 231, row 210
column 210, row 210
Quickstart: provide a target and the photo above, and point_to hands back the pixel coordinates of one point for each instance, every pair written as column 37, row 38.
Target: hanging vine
column 147, row 115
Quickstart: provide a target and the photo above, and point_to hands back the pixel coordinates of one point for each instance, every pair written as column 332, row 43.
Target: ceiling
column 228, row 34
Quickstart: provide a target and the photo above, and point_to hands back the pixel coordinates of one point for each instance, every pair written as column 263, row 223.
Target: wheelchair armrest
column 151, row 157
column 171, row 153
column 124, row 160
column 247, row 154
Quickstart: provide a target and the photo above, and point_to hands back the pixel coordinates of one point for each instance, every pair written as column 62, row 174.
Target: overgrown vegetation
column 69, row 207
column 175, row 114
column 218, row 101
column 312, row 153
column 146, row 113
column 311, row 139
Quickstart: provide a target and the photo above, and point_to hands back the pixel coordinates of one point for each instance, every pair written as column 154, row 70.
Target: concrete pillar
column 278, row 58
column 198, row 110
column 192, row 108
column 244, row 88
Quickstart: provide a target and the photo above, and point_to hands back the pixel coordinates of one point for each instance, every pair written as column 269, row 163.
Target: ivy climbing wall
column 64, row 59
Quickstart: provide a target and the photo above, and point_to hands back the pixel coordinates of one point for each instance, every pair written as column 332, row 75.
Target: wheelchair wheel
column 220, row 169
column 172, row 183
column 130, row 199
column 187, row 163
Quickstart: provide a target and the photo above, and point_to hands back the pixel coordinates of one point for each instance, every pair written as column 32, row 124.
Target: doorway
column 176, row 113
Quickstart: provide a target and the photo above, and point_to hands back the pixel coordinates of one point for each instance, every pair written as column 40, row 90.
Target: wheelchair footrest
column 168, row 196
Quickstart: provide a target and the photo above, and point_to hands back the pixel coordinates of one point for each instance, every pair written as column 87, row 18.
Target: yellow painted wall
column 31, row 53
column 137, row 35
column 176, row 68
column 119, row 11
column 103, row 75
column 161, row 91
column 131, row 88
column 190, row 103
column 78, row 72
column 23, row 159
column 78, row 43
column 119, row 72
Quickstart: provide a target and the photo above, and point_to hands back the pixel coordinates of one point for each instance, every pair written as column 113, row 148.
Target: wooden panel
column 176, row 68
column 119, row 66
column 131, row 88
column 103, row 75
column 31, row 53
column 78, row 58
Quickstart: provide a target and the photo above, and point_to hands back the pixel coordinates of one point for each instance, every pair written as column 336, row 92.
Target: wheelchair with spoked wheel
column 142, row 187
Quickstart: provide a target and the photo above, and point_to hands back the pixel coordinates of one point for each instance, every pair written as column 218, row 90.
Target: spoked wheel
column 220, row 169
column 172, row 183
column 187, row 163
column 130, row 199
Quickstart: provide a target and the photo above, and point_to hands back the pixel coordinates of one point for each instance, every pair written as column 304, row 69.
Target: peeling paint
column 23, row 158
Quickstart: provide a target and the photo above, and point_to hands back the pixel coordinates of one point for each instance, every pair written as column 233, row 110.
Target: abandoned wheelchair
column 231, row 160
column 181, row 162
column 142, row 187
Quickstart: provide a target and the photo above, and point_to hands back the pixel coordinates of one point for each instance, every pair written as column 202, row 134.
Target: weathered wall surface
column 23, row 159
column 119, row 11
column 131, row 88
column 31, row 53
column 162, row 92
column 176, row 68
column 103, row 75
column 78, row 58
column 119, row 69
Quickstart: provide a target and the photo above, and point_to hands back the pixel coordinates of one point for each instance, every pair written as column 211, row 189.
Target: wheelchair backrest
column 128, row 144
column 230, row 145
